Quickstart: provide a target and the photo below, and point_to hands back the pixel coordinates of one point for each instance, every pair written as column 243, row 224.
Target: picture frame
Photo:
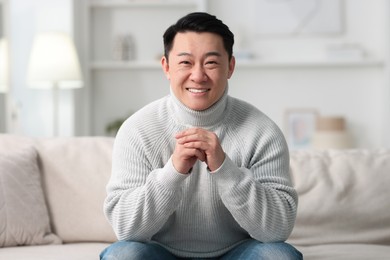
column 300, row 126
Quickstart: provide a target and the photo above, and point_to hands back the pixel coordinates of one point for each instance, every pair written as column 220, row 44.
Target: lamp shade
column 3, row 66
column 54, row 62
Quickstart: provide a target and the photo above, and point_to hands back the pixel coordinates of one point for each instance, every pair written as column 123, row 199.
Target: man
column 200, row 174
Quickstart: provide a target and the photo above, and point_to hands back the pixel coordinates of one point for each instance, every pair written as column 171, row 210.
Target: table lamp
column 54, row 64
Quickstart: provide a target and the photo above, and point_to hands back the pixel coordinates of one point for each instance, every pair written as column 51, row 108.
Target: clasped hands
column 197, row 144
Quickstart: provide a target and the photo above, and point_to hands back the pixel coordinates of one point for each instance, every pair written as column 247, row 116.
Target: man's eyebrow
column 208, row 54
column 213, row 53
column 184, row 54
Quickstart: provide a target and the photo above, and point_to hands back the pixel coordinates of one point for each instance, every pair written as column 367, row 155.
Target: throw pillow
column 24, row 218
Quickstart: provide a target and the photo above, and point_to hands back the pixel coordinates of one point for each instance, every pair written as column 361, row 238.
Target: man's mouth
column 197, row 90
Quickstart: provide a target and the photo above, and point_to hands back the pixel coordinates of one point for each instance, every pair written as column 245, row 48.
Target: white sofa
column 52, row 192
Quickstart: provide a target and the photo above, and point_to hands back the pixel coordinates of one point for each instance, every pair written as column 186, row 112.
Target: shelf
column 144, row 4
column 117, row 65
column 308, row 63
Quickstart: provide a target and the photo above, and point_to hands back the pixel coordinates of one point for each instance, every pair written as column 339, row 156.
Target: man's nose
column 198, row 74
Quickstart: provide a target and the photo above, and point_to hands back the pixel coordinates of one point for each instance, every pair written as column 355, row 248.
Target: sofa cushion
column 346, row 252
column 75, row 173
column 24, row 219
column 343, row 197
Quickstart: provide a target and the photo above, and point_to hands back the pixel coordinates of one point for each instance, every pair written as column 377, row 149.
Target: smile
column 196, row 90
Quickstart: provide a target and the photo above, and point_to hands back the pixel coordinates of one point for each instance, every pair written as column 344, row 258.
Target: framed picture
column 300, row 125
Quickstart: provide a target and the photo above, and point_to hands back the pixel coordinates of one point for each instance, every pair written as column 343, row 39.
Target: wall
column 33, row 107
column 360, row 93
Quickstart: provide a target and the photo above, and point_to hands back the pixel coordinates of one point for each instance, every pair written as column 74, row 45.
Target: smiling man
column 198, row 173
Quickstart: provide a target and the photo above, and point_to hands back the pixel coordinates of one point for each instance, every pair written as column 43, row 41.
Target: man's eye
column 211, row 63
column 184, row 62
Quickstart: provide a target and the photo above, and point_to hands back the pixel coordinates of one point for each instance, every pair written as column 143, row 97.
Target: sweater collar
column 195, row 118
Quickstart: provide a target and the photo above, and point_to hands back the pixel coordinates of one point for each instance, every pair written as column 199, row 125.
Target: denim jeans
column 250, row 249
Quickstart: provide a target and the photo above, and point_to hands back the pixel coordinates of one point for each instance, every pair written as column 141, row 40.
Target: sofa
column 52, row 192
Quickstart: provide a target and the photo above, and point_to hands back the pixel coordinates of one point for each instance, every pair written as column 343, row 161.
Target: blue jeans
column 250, row 249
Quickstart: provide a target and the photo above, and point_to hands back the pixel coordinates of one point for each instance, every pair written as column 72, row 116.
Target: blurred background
column 318, row 68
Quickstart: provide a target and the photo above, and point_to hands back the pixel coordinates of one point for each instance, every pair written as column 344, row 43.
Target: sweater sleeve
column 140, row 198
column 260, row 196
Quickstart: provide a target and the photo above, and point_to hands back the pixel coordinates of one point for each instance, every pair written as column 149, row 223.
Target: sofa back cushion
column 75, row 173
column 343, row 197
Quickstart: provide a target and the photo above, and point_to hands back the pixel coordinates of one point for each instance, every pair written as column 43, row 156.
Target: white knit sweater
column 201, row 214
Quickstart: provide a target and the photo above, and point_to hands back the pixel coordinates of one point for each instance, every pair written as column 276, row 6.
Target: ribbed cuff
column 227, row 174
column 169, row 177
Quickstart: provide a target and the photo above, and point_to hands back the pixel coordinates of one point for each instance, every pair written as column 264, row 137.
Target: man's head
column 199, row 22
column 198, row 59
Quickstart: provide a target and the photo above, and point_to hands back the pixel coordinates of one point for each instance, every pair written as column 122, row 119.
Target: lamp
column 54, row 64
column 3, row 66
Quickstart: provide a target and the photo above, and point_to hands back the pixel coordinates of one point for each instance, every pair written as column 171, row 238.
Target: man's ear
column 232, row 65
column 165, row 67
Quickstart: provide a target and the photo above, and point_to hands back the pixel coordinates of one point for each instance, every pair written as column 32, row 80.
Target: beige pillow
column 24, row 218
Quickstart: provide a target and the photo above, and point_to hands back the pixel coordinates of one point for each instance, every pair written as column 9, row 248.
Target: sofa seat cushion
column 343, row 197
column 346, row 252
column 79, row 251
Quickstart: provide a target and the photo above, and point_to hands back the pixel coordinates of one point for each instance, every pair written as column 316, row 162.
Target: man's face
column 198, row 69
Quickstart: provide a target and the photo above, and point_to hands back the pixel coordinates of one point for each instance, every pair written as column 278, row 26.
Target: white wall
column 33, row 107
column 359, row 93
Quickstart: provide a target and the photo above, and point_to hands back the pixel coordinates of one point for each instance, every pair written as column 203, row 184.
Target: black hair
column 199, row 22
